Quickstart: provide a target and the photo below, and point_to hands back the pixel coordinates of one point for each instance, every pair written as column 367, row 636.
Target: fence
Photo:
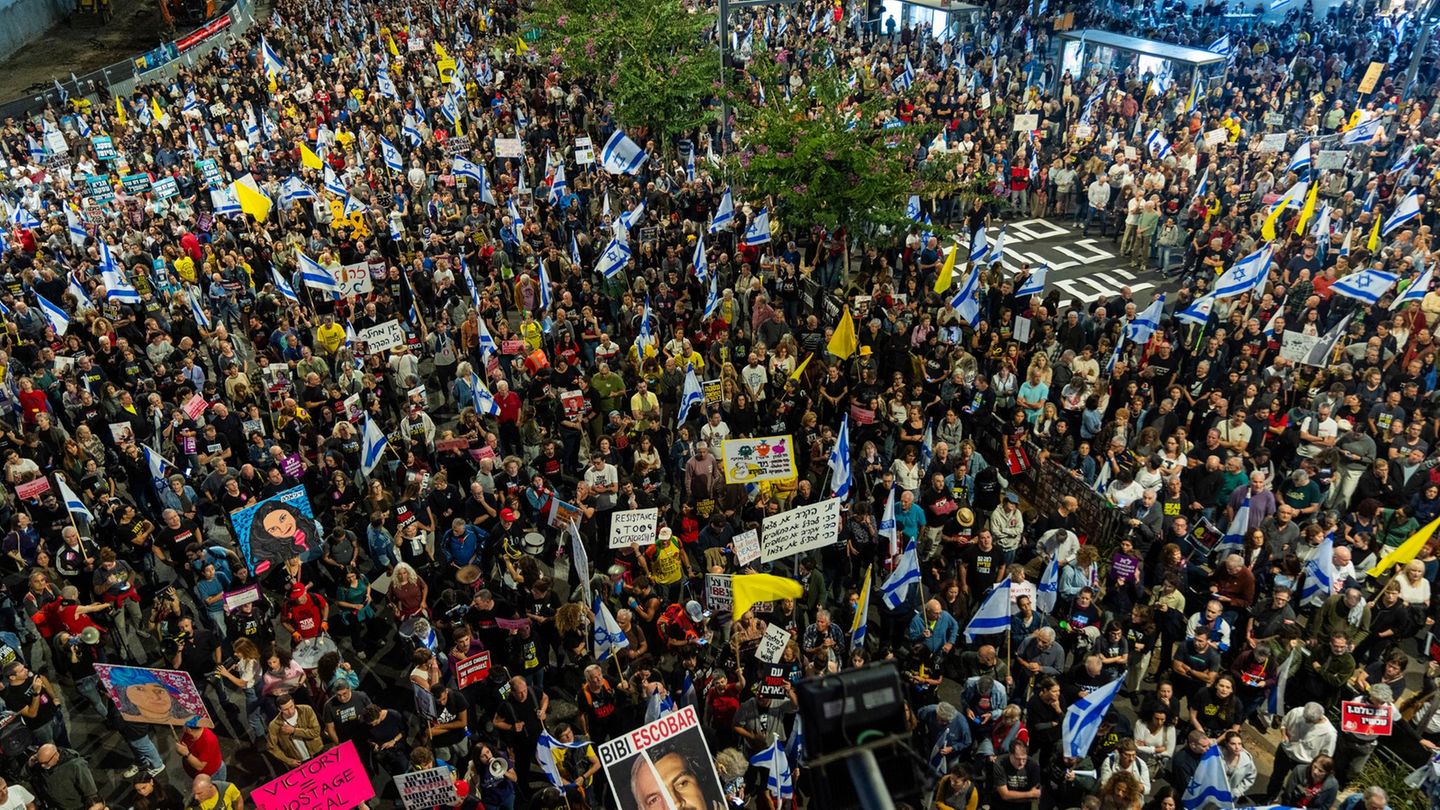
column 121, row 78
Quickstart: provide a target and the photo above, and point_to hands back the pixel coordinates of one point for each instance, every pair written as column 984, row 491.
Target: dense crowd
column 195, row 277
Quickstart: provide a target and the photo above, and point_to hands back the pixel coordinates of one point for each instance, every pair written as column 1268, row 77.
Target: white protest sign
column 1026, row 122
column 430, row 788
column 1274, row 142
column 1296, row 346
column 718, row 593
column 509, row 148
column 584, row 151
column 1331, row 159
column 382, row 337
column 800, row 530
column 354, row 279
column 772, row 644
column 747, row 547
column 633, row 526
column 1215, row 137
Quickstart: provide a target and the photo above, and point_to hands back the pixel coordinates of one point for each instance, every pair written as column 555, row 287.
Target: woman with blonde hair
column 408, row 592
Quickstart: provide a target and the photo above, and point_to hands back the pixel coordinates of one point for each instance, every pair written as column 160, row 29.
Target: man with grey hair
column 1038, row 655
column 1354, row 748
column 1308, row 734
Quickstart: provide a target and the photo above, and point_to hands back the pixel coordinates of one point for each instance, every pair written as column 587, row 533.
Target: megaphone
column 90, row 635
column 498, row 768
column 1091, row 774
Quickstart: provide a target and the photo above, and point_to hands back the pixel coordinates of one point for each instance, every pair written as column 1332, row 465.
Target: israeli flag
column 1275, row 5
column 1320, row 572
column 609, row 638
column 966, row 302
column 333, row 184
column 73, row 504
column 645, row 341
column 1417, row 289
column 1407, row 210
column 712, row 299
column 1048, row 590
column 484, row 401
column 993, row 616
column 1245, row 275
column 391, row 155
column 691, row 396
column 628, row 220
column 758, row 232
column 82, row 298
column 544, row 284
column 1220, row 46
column 374, row 446
column 906, row 78
column 1362, row 133
column 839, row 462
column 411, row 131
column 156, row 462
column 313, row 274
column 449, row 107
column 1300, row 162
column 283, row 286
column 997, row 248
column 119, row 288
column 1365, row 285
column 1082, row 719
column 779, row 781
column 23, row 218
column 1034, row 284
column 622, row 155
column 979, row 245
column 886, row 526
column 387, row 85
column 293, row 189
column 1269, row 330
column 614, row 259
column 1143, row 327
column 1239, row 524
column 1203, row 186
column 912, row 208
column 690, row 165
column 724, row 215
column 76, row 229
column 1198, row 313
column 1158, row 145
column 906, row 575
column 557, row 184
column 198, row 311
column 353, row 206
column 273, row 65
column 702, row 264
column 1209, row 785
column 54, row 314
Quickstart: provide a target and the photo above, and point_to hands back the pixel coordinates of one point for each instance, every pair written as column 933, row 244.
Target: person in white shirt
column 1097, row 194
column 604, row 481
column 755, row 378
column 1308, row 734
column 715, row 430
column 16, row 797
column 1126, row 758
column 1317, row 432
column 1155, row 741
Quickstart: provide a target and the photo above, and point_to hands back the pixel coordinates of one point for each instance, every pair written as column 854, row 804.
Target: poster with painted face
column 277, row 529
column 664, row 764
column 162, row 696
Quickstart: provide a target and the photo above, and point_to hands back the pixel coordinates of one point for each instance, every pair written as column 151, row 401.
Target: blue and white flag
column 609, row 638
column 333, row 184
column 546, row 300
column 1362, row 133
column 779, row 781
column 967, row 301
column 82, row 298
column 1234, row 536
column 118, row 287
column 1270, row 325
column 482, row 399
column 1244, row 275
column 902, row 82
column 1034, row 284
column 724, row 214
column 979, row 245
column 1407, row 210
column 622, row 155
column 712, row 298
column 627, row 221
column 73, row 504
column 1301, row 161
column 645, row 342
column 373, row 448
column 1198, row 313
column 391, row 155
column 1203, row 186
column 196, row 310
column 545, row 749
column 886, row 527
column 699, row 260
column 905, row 576
column 1140, row 330
column 273, row 65
column 1209, row 785
column 1320, row 573
column 1082, row 719
column 1417, row 289
column 1365, row 285
column 558, row 184
column 20, row 217
column 1277, row 5
column 386, row 85
column 1048, row 590
column 997, row 248
column 155, row 462
column 313, row 274
column 993, row 615
column 53, row 313
column 839, row 462
column 411, row 130
column 283, row 286
column 614, row 259
column 78, row 235
column 692, row 395
column 1158, row 145
column 293, row 189
column 912, row 207
column 1220, row 46
column 758, row 231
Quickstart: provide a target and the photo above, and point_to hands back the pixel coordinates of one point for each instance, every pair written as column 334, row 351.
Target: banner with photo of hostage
column 664, row 764
column 276, row 529
column 166, row 697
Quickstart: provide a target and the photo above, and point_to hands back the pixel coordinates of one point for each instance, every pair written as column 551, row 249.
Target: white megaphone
column 90, row 635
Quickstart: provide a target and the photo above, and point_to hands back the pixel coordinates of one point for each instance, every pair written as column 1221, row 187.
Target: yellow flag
column 119, row 111
column 520, row 46
column 1267, row 230
column 1309, row 209
column 1373, row 243
column 156, row 110
column 747, row 589
column 947, row 272
column 800, row 369
column 1406, row 551
column 252, row 200
column 862, row 610
column 1354, row 120
column 394, row 51
column 309, row 159
column 440, row 51
column 844, row 342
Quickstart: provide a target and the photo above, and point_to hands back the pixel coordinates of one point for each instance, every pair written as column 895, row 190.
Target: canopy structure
column 1090, row 48
column 940, row 17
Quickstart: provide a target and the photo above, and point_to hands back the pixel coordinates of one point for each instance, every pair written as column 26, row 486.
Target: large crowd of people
column 211, row 470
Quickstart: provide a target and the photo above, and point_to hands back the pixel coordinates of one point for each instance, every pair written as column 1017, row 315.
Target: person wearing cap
column 666, row 561
column 306, row 615
column 199, row 751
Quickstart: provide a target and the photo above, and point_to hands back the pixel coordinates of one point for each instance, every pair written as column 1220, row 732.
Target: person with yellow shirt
column 212, row 794
column 532, row 332
column 329, row 335
column 667, row 561
column 645, row 407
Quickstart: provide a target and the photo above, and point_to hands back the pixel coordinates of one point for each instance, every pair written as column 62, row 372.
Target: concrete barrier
column 21, row 21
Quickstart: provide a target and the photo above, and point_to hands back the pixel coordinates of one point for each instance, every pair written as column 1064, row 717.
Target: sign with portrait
column 166, row 697
column 276, row 529
column 666, row 763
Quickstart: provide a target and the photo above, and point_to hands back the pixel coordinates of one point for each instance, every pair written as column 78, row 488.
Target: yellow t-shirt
column 222, row 800
column 331, row 337
column 666, row 568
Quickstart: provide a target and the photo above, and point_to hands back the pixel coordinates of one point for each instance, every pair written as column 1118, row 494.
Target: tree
column 650, row 58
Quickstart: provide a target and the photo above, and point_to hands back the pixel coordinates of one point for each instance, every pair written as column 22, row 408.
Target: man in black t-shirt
column 980, row 565
column 519, row 719
column 449, row 736
column 341, row 716
column 37, row 701
column 1016, row 779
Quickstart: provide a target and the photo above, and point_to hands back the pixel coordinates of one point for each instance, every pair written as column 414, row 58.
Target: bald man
column 210, row 794
column 935, row 628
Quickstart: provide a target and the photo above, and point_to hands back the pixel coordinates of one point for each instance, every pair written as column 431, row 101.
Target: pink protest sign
column 334, row 778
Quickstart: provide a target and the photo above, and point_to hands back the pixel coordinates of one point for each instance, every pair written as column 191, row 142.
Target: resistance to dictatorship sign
column 803, row 529
column 633, row 526
column 663, row 764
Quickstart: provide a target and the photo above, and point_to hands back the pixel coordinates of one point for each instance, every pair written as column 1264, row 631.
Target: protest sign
column 718, row 593
column 333, row 778
column 104, row 148
column 1215, row 137
column 236, row 599
column 32, row 489
column 194, row 406
column 1296, row 346
column 509, row 148
column 673, row 746
column 633, row 526
column 772, row 644
column 1274, row 142
column 137, row 183
column 1331, row 159
column 584, row 151
column 1026, row 122
column 747, row 461
column 276, row 529
column 1359, row 717
column 562, row 513
column 711, row 390
column 354, row 279
column 382, row 337
column 165, row 697
column 1372, row 76
column 809, row 527
column 772, row 681
column 434, row 787
column 166, row 187
column 747, row 547
column 472, row 669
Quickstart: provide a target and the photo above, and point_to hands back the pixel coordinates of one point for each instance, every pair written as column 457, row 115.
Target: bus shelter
column 943, row 19
column 1089, row 48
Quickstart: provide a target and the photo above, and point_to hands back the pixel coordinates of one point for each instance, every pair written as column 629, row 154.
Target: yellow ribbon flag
column 309, row 159
column 252, row 200
column 1309, row 209
column 1373, row 243
column 520, row 46
column 394, row 51
column 1267, row 229
column 947, row 272
column 747, row 589
column 1406, row 551
column 800, row 369
column 156, row 111
column 440, row 51
column 844, row 342
column 119, row 111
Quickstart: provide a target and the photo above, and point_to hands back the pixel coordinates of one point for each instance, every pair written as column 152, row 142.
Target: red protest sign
column 1359, row 717
column 474, row 669
column 32, row 489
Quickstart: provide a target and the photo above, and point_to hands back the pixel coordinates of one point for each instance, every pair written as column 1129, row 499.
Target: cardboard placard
column 772, row 681
column 584, row 151
column 1359, row 717
column 512, row 347
column 382, row 337
column 862, row 416
column 167, row 697
column 1217, row 136
column 354, row 279
column 711, row 389
column 684, row 746
column 747, row 547
column 1331, row 159
column 1273, row 142
column 635, row 526
column 718, row 593
column 32, row 489
column 332, row 778
column 194, row 406
column 747, row 461
column 447, row 445
column 1296, row 346
column 1371, row 78
column 429, row 788
column 473, row 669
column 1274, row 119
column 236, row 599
column 1026, row 122
column 772, row 644
column 136, row 183
column 810, row 527
column 509, row 148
